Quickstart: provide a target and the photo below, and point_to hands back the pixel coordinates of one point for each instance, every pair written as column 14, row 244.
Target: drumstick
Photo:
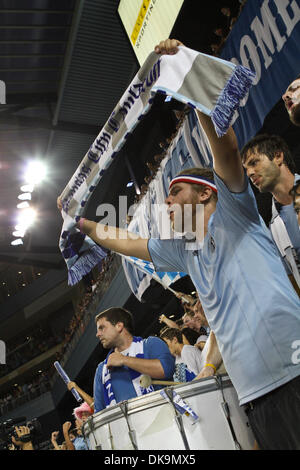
column 66, row 379
column 146, row 381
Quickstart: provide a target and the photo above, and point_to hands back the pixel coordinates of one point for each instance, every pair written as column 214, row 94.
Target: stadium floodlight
column 26, row 218
column 27, row 188
column 35, row 172
column 19, row 233
column 25, row 197
column 23, row 205
column 19, row 241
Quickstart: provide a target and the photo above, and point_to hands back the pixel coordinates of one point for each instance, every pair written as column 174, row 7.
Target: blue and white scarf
column 182, row 373
column 136, row 349
column 210, row 84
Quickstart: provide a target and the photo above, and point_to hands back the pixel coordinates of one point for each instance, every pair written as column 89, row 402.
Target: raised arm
column 85, row 396
column 115, row 239
column 66, row 428
column 226, row 156
column 54, row 436
column 168, row 322
column 227, row 161
column 213, row 359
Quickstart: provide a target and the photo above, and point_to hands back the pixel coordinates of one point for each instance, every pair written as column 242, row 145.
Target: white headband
column 193, row 179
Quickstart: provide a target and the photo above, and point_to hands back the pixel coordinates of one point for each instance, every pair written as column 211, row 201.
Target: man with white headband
column 246, row 295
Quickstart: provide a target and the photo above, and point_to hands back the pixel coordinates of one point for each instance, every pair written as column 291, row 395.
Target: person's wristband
column 81, row 224
column 211, row 365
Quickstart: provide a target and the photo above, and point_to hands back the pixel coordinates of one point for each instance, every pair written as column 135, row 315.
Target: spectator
column 117, row 378
column 54, row 437
column 69, row 436
column 291, row 100
column 271, row 168
column 87, row 398
column 23, row 438
column 167, row 321
column 83, row 412
column 79, row 441
column 295, row 192
column 189, row 355
column 232, row 272
column 195, row 323
column 189, row 336
column 200, row 315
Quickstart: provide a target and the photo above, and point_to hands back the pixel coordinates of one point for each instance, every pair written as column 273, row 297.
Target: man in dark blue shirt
column 117, row 378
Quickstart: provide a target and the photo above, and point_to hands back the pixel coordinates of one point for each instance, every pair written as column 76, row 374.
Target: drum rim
column 136, row 405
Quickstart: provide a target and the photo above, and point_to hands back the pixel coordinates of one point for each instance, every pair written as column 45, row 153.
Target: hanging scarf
column 182, row 373
column 210, row 84
column 136, row 350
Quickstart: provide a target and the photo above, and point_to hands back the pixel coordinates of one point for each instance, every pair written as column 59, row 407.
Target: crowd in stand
column 20, row 394
column 28, row 348
column 94, row 289
column 186, row 337
column 22, row 351
column 187, row 352
column 222, row 33
column 187, row 349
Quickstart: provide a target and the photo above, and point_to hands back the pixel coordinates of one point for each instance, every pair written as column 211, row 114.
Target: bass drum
column 151, row 422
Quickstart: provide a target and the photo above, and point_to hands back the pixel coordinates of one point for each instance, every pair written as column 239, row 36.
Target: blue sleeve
column 156, row 348
column 80, row 444
column 167, row 255
column 289, row 217
column 238, row 210
column 98, row 393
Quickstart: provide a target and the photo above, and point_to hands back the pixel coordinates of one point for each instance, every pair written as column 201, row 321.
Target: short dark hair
column 205, row 172
column 191, row 335
column 171, row 333
column 115, row 315
column 269, row 145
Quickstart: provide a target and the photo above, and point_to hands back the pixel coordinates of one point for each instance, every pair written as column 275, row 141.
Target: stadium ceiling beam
column 37, row 10
column 68, row 58
column 35, row 123
column 37, row 250
column 21, row 250
column 21, row 260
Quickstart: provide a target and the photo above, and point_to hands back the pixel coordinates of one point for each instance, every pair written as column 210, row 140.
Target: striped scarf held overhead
column 210, row 84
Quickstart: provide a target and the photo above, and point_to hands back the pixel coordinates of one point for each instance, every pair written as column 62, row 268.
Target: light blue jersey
column 80, row 444
column 247, row 297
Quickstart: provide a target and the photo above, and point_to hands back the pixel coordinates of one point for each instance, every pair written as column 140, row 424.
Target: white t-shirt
column 191, row 357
